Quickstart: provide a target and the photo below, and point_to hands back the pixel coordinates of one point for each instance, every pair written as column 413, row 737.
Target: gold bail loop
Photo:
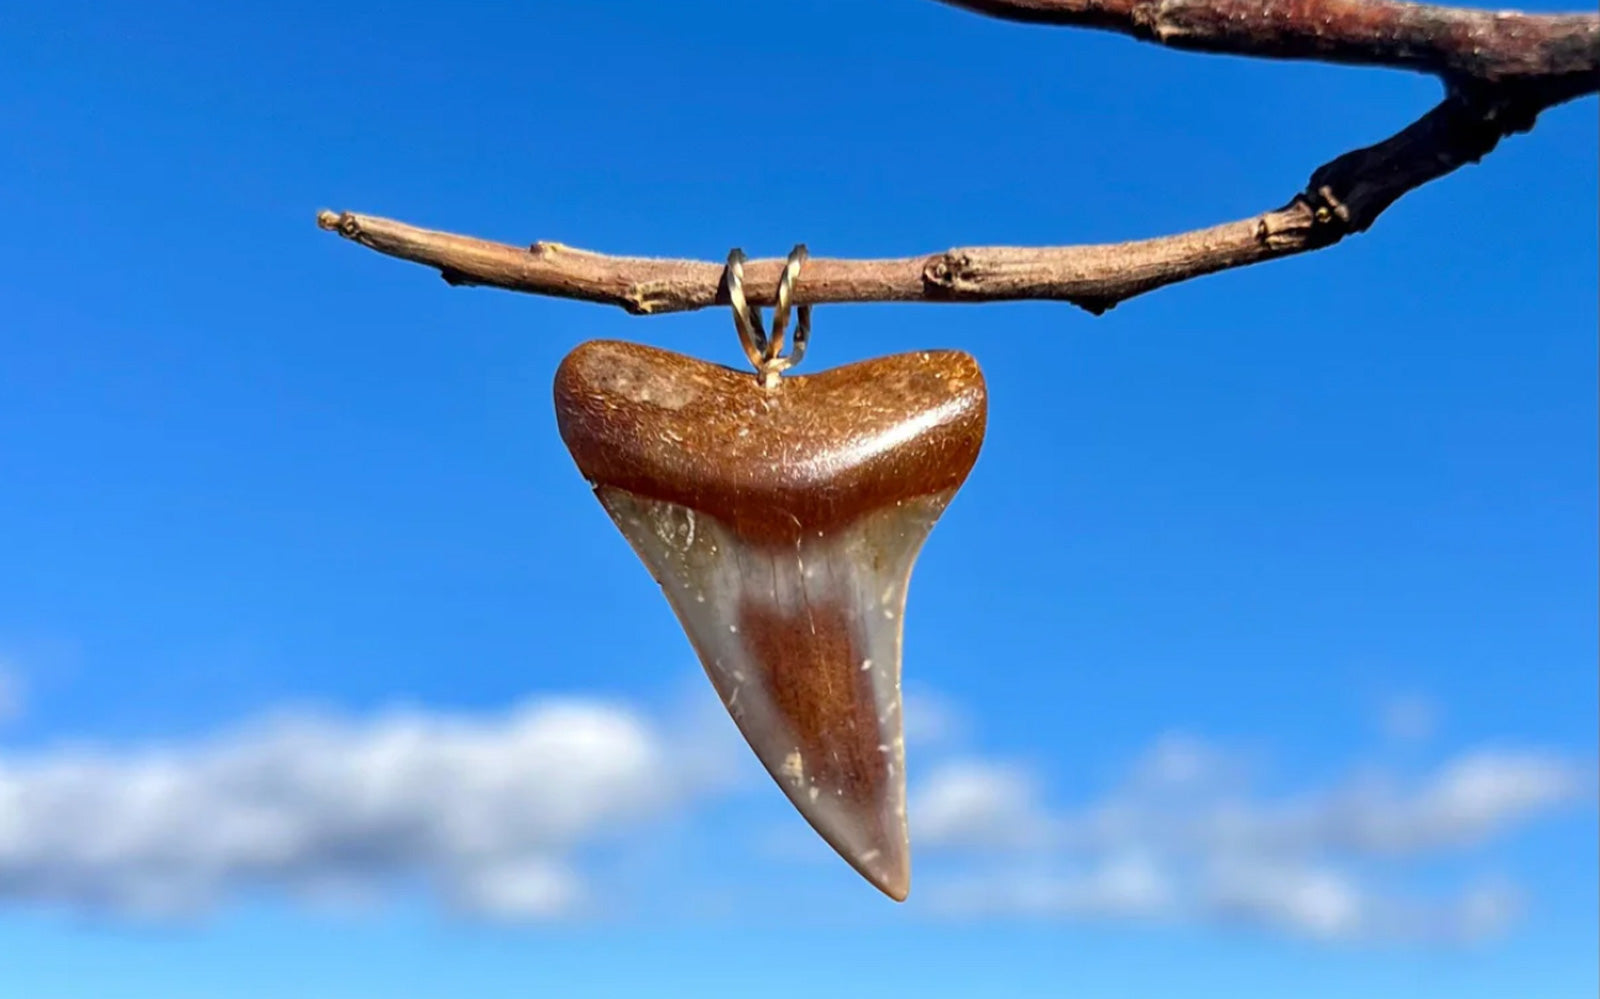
column 764, row 352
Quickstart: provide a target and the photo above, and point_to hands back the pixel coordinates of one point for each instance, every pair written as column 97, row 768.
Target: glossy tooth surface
column 782, row 526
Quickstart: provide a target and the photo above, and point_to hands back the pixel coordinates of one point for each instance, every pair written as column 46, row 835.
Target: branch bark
column 1501, row 71
column 1450, row 42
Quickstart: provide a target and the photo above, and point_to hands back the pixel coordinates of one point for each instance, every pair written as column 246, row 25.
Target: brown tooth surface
column 782, row 526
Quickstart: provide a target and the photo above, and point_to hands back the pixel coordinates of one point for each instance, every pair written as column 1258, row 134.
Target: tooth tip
column 886, row 866
column 897, row 885
column 869, row 839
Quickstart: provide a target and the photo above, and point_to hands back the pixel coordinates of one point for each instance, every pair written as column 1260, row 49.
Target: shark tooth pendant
column 781, row 518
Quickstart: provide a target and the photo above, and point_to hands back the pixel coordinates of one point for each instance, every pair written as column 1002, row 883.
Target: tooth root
column 802, row 642
column 782, row 525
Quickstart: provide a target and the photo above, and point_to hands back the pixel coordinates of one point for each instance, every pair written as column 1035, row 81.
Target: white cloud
column 1484, row 793
column 976, row 804
column 1308, row 900
column 1126, row 887
column 1325, row 903
column 1185, row 835
column 1317, row 902
column 487, row 811
column 499, row 816
column 1465, row 802
column 530, row 888
column 1179, row 761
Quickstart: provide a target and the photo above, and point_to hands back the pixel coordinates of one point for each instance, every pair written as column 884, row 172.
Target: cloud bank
column 1186, row 837
column 499, row 817
column 487, row 812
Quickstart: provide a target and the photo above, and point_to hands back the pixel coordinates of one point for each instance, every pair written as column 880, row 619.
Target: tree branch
column 1501, row 69
column 1451, row 42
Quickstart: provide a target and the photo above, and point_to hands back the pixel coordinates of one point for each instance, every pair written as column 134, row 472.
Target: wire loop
column 765, row 352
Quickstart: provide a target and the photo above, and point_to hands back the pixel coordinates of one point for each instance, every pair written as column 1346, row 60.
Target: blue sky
column 1256, row 657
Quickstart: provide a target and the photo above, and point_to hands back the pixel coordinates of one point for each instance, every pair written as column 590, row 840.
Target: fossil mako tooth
column 782, row 525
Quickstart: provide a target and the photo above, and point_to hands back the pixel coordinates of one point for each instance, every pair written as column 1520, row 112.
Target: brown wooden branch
column 1451, row 42
column 1502, row 70
column 1343, row 197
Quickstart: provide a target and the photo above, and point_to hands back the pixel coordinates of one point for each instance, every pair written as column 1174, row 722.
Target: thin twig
column 1502, row 70
column 1344, row 196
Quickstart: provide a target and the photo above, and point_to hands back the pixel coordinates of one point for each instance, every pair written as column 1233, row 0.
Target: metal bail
column 765, row 352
